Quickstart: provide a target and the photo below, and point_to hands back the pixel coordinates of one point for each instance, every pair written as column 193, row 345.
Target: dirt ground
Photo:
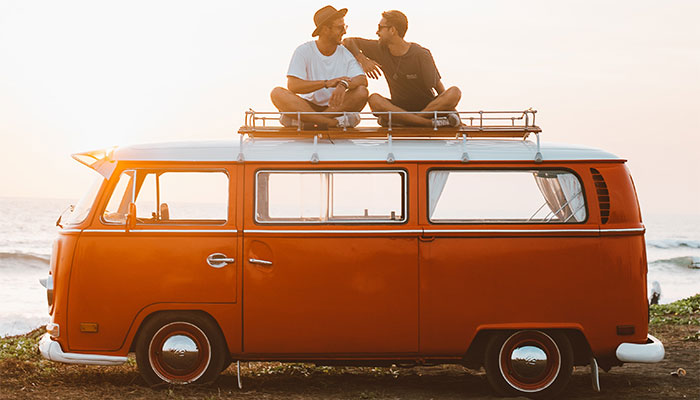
column 46, row 380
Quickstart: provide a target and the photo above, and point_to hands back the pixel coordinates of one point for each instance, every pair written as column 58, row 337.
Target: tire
column 180, row 348
column 529, row 363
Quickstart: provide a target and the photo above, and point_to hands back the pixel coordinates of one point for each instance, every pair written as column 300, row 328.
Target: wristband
column 344, row 83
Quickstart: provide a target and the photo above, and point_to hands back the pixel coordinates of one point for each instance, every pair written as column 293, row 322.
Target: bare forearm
column 296, row 85
column 351, row 45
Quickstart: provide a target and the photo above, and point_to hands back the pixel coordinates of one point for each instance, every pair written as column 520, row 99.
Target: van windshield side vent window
column 603, row 195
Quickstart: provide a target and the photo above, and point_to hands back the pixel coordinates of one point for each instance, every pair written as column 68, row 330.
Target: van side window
column 330, row 196
column 118, row 205
column 171, row 197
column 502, row 196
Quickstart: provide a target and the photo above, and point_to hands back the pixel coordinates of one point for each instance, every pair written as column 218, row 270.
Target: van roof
column 347, row 149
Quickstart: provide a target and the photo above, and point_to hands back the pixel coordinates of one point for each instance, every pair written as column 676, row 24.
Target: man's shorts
column 411, row 106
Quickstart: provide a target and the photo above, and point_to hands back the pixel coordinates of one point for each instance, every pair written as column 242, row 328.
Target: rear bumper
column 51, row 350
column 650, row 352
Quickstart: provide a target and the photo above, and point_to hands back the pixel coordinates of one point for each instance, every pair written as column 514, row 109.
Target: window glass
column 171, row 197
column 505, row 196
column 82, row 209
column 118, row 205
column 330, row 196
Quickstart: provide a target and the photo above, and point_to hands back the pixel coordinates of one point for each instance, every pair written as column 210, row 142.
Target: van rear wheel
column 529, row 363
column 180, row 348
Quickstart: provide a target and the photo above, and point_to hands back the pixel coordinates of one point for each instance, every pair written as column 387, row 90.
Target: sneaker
column 288, row 121
column 452, row 120
column 348, row 120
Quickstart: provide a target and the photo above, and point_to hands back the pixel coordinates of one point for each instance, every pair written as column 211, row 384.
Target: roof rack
column 475, row 124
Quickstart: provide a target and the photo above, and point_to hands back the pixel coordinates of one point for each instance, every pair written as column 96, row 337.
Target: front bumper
column 650, row 352
column 51, row 350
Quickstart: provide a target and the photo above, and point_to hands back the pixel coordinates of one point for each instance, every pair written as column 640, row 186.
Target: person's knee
column 454, row 94
column 375, row 100
column 362, row 92
column 277, row 93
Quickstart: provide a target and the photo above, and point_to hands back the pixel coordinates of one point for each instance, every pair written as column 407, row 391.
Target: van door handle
column 218, row 260
column 261, row 262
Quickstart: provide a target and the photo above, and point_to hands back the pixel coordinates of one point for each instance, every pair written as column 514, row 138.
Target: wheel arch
column 474, row 356
column 147, row 316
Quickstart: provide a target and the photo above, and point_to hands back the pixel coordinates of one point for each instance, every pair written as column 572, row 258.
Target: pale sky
column 623, row 76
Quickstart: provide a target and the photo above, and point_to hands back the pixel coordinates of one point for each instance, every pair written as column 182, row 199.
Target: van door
column 330, row 262
column 181, row 252
column 505, row 247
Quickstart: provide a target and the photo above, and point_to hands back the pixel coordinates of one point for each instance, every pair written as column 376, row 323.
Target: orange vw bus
column 372, row 245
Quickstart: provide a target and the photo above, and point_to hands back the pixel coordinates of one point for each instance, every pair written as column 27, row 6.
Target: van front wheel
column 529, row 363
column 180, row 349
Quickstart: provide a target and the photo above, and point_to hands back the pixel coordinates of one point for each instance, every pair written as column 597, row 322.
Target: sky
column 623, row 76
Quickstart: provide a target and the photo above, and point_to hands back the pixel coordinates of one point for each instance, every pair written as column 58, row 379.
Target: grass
column 681, row 312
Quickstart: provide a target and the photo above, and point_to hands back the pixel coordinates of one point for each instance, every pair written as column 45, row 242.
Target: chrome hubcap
column 180, row 352
column 529, row 362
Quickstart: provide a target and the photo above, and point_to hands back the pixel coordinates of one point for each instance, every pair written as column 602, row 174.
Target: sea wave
column 686, row 262
column 674, row 243
column 20, row 256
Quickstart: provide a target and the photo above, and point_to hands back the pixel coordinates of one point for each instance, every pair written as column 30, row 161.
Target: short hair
column 398, row 20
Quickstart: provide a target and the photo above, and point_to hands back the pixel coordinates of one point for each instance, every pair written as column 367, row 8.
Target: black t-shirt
column 411, row 77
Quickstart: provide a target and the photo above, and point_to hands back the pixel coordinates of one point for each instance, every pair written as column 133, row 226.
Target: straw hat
column 326, row 14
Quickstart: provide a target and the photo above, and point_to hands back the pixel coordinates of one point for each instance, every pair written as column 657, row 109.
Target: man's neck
column 326, row 47
column 399, row 47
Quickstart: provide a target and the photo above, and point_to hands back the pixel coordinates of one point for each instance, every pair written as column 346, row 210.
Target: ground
column 25, row 375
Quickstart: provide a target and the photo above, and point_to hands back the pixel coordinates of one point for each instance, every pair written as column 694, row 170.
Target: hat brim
column 338, row 14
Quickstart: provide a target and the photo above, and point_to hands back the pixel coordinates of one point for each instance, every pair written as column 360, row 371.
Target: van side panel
column 471, row 281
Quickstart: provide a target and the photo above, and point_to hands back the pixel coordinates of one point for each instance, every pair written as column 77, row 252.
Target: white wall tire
column 180, row 348
column 529, row 363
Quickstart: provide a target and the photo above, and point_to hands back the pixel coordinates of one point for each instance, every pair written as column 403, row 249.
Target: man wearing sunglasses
column 323, row 76
column 410, row 71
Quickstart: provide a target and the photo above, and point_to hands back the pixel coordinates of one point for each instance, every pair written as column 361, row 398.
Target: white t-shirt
column 309, row 64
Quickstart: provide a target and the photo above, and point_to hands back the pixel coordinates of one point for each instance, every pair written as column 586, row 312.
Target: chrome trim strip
column 162, row 231
column 624, row 230
column 511, row 230
column 332, row 231
column 70, row 230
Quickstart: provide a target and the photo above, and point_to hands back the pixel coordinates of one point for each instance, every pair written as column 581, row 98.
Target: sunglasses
column 380, row 26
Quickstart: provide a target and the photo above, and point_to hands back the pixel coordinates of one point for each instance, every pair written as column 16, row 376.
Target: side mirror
column 131, row 217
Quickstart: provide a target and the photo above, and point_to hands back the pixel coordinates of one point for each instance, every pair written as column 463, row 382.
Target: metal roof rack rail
column 475, row 124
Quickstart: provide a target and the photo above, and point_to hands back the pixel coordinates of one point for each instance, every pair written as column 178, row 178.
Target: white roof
column 303, row 149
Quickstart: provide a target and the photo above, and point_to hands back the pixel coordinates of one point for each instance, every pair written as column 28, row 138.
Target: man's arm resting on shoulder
column 368, row 65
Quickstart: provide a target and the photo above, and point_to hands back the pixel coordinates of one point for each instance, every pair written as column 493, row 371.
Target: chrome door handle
column 261, row 262
column 218, row 260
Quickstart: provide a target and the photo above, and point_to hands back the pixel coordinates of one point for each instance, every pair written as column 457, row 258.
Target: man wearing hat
column 410, row 72
column 323, row 76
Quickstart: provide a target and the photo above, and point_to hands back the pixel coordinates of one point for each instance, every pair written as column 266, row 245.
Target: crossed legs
column 287, row 101
column 445, row 101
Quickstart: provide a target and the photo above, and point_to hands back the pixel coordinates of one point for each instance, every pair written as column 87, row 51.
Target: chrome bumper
column 51, row 350
column 650, row 352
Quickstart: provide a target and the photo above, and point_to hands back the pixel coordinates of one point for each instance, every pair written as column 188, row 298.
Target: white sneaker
column 288, row 121
column 348, row 120
column 452, row 120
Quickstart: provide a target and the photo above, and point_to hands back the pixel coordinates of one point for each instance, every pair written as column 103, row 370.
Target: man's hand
column 331, row 83
column 371, row 67
column 337, row 97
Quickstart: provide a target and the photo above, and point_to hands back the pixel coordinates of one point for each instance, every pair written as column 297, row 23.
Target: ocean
column 28, row 228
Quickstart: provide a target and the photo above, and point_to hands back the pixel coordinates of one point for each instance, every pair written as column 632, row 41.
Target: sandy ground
column 46, row 380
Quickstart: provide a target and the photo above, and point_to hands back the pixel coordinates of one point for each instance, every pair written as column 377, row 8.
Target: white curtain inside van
column 563, row 194
column 436, row 184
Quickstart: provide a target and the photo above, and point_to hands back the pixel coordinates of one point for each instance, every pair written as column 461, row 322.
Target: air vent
column 603, row 195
